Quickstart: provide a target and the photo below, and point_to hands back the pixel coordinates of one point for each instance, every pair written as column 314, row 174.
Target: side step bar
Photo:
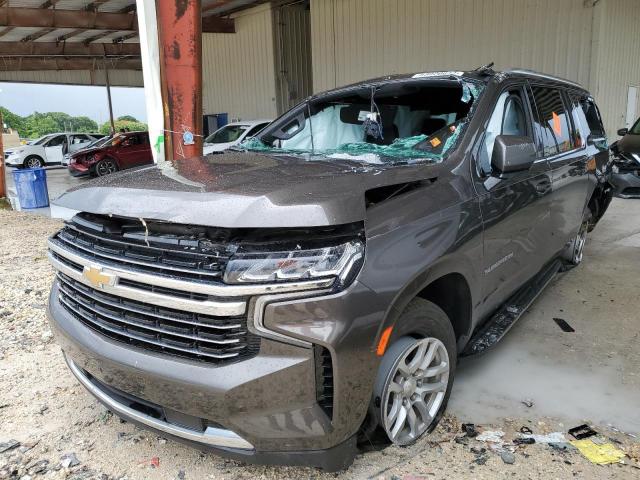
column 492, row 331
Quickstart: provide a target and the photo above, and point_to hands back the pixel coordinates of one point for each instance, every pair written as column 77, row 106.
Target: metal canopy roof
column 82, row 34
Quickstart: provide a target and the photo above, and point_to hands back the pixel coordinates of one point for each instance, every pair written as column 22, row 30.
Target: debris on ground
column 562, row 323
column 527, row 402
column 508, row 457
column 9, row 445
column 582, row 431
column 598, row 454
column 553, row 437
column 69, row 460
column 493, row 436
column 524, row 441
column 470, row 430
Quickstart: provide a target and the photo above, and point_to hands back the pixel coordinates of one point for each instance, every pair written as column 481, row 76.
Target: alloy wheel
column 33, row 162
column 106, row 167
column 579, row 242
column 415, row 390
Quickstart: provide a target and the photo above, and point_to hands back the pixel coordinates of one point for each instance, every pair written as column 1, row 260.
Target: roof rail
column 533, row 73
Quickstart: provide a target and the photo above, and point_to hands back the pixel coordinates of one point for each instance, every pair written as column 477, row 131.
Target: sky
column 26, row 98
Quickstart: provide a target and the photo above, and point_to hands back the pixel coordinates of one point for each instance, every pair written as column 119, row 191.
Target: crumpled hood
column 243, row 189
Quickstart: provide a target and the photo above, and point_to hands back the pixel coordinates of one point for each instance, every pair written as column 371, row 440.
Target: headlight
column 338, row 261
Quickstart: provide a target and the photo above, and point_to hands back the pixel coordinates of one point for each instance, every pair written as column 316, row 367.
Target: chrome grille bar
column 222, row 309
column 90, row 305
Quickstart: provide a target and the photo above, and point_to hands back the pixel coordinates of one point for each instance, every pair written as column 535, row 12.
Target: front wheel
column 106, row 166
column 415, row 376
column 33, row 161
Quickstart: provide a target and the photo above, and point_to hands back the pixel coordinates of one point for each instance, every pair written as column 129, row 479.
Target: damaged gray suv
column 314, row 288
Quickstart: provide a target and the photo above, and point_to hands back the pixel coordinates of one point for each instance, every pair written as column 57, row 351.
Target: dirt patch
column 62, row 432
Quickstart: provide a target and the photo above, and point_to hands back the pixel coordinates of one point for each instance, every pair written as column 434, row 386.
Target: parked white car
column 48, row 150
column 232, row 134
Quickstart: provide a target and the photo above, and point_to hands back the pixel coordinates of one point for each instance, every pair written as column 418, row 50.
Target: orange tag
column 591, row 165
column 557, row 126
column 435, row 142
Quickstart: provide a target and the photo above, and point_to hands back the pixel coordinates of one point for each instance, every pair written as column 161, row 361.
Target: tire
column 410, row 396
column 106, row 166
column 574, row 251
column 33, row 161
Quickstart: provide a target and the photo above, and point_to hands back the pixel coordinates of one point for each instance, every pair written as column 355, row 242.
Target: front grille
column 219, row 340
column 133, row 244
column 324, row 380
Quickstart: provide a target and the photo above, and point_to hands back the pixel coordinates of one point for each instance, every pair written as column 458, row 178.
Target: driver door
column 515, row 206
column 53, row 150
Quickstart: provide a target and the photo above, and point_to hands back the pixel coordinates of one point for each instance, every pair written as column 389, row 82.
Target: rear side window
column 552, row 121
column 589, row 115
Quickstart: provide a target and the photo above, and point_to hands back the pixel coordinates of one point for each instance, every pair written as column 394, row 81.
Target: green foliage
column 11, row 119
column 132, row 126
column 38, row 124
column 128, row 118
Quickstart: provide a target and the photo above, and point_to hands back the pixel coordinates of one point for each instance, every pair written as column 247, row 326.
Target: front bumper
column 14, row 161
column 78, row 169
column 267, row 404
column 626, row 184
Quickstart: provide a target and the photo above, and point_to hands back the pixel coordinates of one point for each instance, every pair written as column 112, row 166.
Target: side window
column 508, row 118
column 75, row 139
column 552, row 122
column 589, row 116
column 56, row 141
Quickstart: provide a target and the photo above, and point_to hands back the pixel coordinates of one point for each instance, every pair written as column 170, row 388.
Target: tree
column 120, row 124
column 12, row 120
column 128, row 118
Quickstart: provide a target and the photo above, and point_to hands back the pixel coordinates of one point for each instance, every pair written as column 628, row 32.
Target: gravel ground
column 62, row 432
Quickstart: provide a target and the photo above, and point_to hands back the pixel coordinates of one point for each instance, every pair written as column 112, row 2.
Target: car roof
column 483, row 74
column 248, row 122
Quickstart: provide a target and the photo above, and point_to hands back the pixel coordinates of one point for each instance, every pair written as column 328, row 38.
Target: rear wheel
column 106, row 166
column 33, row 161
column 416, row 375
column 574, row 250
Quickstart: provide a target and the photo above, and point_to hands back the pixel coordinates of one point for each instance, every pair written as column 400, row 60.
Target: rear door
column 567, row 156
column 515, row 207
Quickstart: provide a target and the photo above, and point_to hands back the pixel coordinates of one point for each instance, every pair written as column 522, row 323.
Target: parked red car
column 124, row 150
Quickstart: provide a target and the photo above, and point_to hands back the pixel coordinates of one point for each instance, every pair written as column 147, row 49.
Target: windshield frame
column 470, row 86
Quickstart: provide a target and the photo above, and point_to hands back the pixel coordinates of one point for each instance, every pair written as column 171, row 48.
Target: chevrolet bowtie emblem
column 97, row 277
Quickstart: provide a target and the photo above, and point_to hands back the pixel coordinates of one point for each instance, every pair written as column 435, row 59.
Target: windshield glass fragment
column 375, row 123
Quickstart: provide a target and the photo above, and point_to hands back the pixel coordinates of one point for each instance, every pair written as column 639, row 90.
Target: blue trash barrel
column 31, row 186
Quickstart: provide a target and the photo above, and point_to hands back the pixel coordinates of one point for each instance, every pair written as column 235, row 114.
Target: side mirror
column 512, row 153
column 623, row 131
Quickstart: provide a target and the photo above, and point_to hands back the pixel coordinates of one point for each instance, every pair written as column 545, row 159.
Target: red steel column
column 180, row 34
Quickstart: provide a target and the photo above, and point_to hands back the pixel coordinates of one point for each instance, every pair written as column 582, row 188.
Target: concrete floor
column 592, row 374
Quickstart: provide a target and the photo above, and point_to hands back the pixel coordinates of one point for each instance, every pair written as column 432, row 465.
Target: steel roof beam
column 16, row 49
column 50, row 64
column 82, row 19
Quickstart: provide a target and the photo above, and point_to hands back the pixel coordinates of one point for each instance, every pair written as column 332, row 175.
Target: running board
column 501, row 322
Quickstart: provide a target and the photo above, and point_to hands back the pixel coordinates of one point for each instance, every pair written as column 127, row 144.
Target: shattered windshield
column 375, row 123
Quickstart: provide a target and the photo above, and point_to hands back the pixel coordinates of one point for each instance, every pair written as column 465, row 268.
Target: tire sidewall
column 420, row 319
column 26, row 160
